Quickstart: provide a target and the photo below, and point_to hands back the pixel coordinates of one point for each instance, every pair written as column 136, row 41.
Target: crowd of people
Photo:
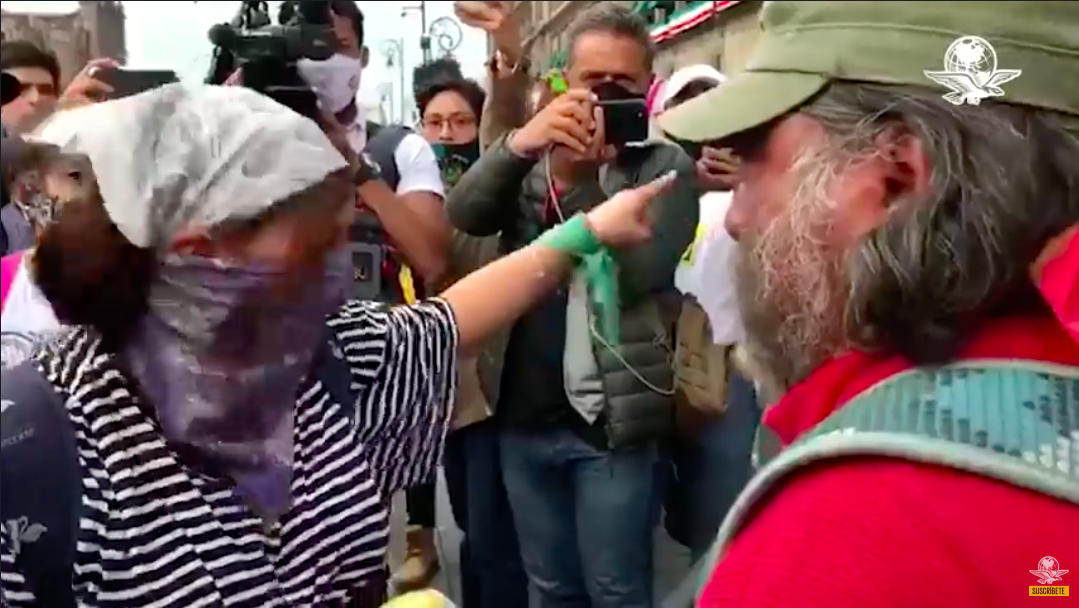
column 817, row 320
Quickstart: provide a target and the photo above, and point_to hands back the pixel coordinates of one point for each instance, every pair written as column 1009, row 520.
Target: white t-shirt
column 26, row 320
column 418, row 167
column 706, row 271
column 417, row 164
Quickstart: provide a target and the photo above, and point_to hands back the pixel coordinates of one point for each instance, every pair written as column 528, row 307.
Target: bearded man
column 886, row 231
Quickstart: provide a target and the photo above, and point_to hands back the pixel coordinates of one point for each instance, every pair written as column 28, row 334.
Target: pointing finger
column 645, row 194
column 98, row 64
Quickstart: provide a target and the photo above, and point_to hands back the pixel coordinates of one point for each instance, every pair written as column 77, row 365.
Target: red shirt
column 880, row 533
column 1060, row 285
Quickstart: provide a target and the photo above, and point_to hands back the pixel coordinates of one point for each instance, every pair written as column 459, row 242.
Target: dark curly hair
column 434, row 78
column 90, row 273
column 443, row 69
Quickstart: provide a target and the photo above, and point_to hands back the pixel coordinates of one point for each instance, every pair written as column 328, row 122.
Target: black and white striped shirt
column 153, row 533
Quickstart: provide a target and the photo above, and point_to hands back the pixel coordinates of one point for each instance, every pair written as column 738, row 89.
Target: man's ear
column 908, row 168
column 365, row 56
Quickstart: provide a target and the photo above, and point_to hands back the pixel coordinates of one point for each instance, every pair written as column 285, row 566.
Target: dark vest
column 376, row 266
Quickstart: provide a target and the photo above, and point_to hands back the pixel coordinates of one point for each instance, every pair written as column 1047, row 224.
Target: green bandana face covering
column 455, row 159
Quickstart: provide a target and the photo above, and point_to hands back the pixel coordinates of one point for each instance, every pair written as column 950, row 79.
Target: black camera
column 267, row 52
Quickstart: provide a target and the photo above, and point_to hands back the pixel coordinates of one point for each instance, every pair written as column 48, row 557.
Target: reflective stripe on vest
column 1013, row 421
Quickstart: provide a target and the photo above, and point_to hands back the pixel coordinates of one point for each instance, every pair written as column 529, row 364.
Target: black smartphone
column 126, row 83
column 625, row 121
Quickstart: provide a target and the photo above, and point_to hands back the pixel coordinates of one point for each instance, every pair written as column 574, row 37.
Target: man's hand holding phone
column 568, row 121
column 717, row 169
column 86, row 88
column 569, row 166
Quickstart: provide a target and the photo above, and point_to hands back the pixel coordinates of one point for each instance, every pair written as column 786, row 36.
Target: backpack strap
column 332, row 369
column 9, row 268
column 1013, row 421
column 40, row 484
column 378, row 272
column 382, row 148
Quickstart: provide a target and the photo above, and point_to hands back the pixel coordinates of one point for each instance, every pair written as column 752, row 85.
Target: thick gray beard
column 792, row 285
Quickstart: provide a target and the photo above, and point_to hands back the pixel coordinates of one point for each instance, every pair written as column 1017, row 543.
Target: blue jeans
column 492, row 575
column 711, row 469
column 584, row 518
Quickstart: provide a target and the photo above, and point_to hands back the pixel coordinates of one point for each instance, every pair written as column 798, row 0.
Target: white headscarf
column 193, row 155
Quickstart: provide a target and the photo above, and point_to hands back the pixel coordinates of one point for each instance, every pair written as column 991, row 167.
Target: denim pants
column 710, row 471
column 584, row 518
column 492, row 575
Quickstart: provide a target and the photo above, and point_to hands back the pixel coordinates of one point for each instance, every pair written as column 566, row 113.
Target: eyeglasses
column 12, row 83
column 455, row 123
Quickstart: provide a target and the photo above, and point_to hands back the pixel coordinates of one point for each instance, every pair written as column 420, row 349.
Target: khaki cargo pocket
column 700, row 367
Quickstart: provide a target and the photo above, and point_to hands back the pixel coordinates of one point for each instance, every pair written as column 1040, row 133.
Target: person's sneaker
column 421, row 563
column 428, row 598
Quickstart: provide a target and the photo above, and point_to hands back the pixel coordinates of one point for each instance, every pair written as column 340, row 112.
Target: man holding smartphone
column 580, row 462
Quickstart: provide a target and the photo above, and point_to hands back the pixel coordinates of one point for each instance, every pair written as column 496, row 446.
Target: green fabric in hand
column 575, row 238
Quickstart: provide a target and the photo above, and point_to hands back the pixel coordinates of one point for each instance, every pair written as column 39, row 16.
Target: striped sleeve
column 404, row 370
column 13, row 588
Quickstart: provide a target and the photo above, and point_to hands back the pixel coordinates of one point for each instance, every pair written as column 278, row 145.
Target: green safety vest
column 1013, row 421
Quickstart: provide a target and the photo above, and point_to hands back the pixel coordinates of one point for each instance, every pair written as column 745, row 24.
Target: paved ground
column 672, row 560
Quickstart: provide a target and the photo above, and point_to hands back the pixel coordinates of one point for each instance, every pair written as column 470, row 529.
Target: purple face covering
column 221, row 355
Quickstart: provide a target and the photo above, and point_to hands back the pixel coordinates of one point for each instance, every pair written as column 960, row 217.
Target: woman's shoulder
column 359, row 319
column 368, row 333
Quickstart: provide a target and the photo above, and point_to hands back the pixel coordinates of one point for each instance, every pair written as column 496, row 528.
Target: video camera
column 267, row 52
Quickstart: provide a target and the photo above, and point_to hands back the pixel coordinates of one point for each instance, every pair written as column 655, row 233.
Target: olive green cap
column 806, row 45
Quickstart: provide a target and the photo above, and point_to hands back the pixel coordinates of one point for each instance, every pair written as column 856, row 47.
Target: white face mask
column 336, row 81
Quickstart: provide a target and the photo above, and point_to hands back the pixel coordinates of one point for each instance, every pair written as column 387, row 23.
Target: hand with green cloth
column 579, row 237
column 530, row 273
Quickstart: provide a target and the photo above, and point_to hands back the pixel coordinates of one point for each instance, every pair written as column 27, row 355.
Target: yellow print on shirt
column 687, row 257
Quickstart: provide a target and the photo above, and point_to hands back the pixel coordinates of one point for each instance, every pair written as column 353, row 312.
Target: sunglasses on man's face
column 43, row 90
column 19, row 88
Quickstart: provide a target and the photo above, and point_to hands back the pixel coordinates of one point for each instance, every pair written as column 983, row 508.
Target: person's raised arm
column 506, row 105
column 527, row 275
column 404, row 358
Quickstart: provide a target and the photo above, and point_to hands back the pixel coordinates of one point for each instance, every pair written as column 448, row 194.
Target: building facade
column 94, row 30
column 720, row 34
column 717, row 33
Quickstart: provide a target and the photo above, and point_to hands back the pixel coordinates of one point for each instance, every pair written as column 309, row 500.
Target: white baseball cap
column 683, row 77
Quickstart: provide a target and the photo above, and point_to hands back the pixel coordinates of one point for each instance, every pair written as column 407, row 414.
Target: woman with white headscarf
column 217, row 428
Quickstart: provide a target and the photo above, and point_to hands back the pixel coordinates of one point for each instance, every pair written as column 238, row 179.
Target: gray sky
column 172, row 35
